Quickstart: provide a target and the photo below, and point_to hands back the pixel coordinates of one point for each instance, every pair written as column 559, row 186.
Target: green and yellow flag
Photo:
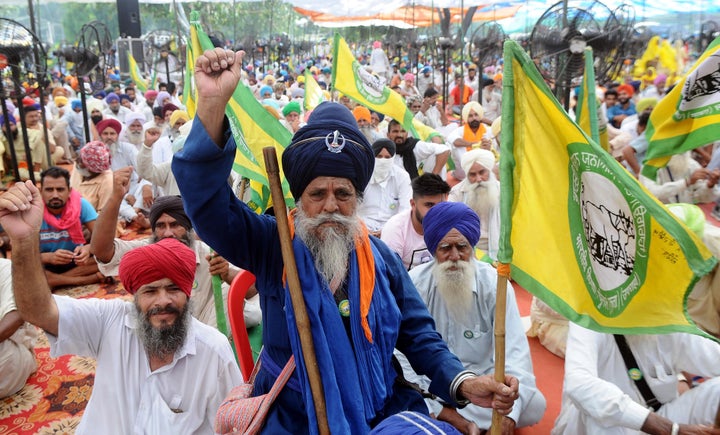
column 193, row 50
column 253, row 128
column 313, row 92
column 136, row 74
column 586, row 113
column 351, row 78
column 688, row 117
column 577, row 229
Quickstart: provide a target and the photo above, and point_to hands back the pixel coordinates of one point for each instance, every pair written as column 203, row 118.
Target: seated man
column 403, row 233
column 17, row 339
column 388, row 192
column 459, row 291
column 64, row 251
column 92, row 176
column 684, row 180
column 154, row 361
column 168, row 220
column 599, row 395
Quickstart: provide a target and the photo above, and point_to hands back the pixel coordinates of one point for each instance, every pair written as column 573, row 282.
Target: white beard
column 456, row 288
column 332, row 246
column 135, row 138
column 483, row 197
column 679, row 166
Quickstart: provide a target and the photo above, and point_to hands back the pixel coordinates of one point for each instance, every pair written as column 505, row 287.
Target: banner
column 578, row 230
column 353, row 80
column 689, row 116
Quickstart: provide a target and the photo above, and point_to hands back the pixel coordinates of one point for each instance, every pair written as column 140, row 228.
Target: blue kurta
column 251, row 241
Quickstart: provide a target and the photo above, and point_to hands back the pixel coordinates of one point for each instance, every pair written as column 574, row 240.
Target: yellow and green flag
column 313, row 92
column 586, row 114
column 136, row 74
column 193, row 50
column 577, row 229
column 688, row 117
column 253, row 128
column 351, row 78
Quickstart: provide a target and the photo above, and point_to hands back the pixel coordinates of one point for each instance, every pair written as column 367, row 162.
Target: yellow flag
column 689, row 116
column 578, row 230
column 136, row 74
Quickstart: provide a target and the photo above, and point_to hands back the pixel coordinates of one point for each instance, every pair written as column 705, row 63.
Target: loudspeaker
column 129, row 18
column 133, row 46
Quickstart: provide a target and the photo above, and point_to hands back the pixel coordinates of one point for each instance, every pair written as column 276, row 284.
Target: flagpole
column 500, row 309
column 296, row 296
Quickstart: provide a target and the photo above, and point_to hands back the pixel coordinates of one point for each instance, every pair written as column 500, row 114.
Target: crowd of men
column 394, row 251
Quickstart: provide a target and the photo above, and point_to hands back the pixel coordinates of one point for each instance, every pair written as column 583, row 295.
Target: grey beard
column 135, row 138
column 188, row 239
column 483, row 196
column 331, row 248
column 456, row 288
column 164, row 341
column 368, row 132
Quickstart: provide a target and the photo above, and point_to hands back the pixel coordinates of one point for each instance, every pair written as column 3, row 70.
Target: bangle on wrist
column 675, row 429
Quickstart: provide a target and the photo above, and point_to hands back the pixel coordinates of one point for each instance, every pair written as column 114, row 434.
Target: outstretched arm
column 21, row 212
column 217, row 74
column 103, row 236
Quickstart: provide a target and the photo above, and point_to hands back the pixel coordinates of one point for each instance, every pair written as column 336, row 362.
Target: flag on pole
column 689, row 116
column 253, row 128
column 587, row 115
column 136, row 74
column 154, row 80
column 578, row 230
column 313, row 92
column 193, row 50
column 351, row 78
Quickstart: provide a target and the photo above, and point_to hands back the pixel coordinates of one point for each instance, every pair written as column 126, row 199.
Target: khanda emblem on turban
column 334, row 146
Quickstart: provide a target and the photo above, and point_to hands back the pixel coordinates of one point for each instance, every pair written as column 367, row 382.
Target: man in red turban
column 624, row 107
column 158, row 368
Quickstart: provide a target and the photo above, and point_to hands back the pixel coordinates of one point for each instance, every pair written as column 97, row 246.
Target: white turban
column 94, row 104
column 496, row 126
column 485, row 158
column 475, row 107
column 134, row 116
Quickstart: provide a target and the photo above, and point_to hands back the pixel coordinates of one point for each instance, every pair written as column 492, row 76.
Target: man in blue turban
column 459, row 292
column 360, row 302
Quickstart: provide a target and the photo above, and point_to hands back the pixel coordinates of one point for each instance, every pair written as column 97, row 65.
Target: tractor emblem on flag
column 609, row 230
column 370, row 86
column 701, row 90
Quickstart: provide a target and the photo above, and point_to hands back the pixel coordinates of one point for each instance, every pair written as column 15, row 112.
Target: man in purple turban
column 360, row 301
column 459, row 292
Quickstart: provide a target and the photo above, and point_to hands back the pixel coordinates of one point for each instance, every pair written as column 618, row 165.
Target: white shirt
column 381, row 201
column 129, row 398
column 425, row 155
column 400, row 236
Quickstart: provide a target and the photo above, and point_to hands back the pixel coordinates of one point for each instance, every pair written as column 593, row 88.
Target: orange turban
column 361, row 112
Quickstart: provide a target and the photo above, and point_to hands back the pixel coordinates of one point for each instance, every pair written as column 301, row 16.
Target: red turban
column 112, row 123
column 628, row 89
column 95, row 156
column 167, row 258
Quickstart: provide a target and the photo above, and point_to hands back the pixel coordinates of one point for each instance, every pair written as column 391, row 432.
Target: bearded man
column 472, row 134
column 684, row 180
column 364, row 121
column 153, row 359
column 480, row 190
column 459, row 292
column 133, row 132
column 360, row 301
column 114, row 109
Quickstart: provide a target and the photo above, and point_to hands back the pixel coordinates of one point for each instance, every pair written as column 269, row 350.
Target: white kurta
column 489, row 221
column 381, row 201
column 600, row 398
column 129, row 398
column 473, row 342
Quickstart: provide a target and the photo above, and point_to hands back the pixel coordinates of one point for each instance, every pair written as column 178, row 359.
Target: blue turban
column 75, row 104
column 329, row 145
column 10, row 117
column 112, row 96
column 445, row 216
column 265, row 90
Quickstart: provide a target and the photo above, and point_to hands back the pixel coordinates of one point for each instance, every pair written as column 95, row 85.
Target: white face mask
column 382, row 169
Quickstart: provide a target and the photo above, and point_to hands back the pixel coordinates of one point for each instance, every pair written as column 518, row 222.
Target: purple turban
column 329, row 145
column 445, row 216
column 112, row 96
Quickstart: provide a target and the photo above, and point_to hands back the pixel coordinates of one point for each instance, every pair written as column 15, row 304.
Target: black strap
column 631, row 364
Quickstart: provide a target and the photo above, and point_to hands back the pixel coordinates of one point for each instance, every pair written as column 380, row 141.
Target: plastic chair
column 236, row 304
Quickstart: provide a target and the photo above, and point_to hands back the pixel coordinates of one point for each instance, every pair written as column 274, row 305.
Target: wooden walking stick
column 296, row 296
column 500, row 306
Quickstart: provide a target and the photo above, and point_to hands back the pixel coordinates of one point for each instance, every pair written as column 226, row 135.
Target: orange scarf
column 366, row 270
column 473, row 137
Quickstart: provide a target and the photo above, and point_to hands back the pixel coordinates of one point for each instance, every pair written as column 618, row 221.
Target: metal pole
column 8, row 133
column 86, row 117
column 26, row 140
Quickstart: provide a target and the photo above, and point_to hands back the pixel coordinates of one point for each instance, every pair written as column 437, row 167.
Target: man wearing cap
column 470, row 135
column 158, row 369
column 403, row 233
column 167, row 219
column 388, row 192
column 459, row 292
column 480, row 190
column 292, row 112
column 75, row 125
column 92, row 176
column 360, row 302
column 624, row 107
column 114, row 109
column 425, row 79
column 66, row 214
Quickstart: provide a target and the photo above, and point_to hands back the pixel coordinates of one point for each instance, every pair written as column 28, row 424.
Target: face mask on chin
column 382, row 169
